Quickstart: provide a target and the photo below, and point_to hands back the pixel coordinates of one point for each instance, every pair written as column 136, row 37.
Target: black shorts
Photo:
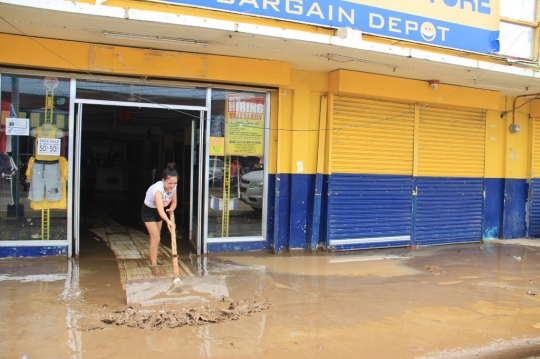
column 150, row 214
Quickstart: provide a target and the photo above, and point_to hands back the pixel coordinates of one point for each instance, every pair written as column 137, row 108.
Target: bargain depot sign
column 471, row 25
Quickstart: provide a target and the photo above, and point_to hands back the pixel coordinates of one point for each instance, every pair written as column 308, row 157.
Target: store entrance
column 120, row 152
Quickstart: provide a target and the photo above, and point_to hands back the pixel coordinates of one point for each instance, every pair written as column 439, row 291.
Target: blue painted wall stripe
column 301, row 217
column 282, row 212
column 515, row 202
column 316, row 216
column 238, row 246
column 270, row 214
column 33, row 251
column 324, row 231
column 493, row 208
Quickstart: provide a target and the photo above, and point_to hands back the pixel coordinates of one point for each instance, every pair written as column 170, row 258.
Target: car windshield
column 216, row 163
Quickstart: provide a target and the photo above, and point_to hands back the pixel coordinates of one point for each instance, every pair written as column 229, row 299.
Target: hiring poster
column 244, row 125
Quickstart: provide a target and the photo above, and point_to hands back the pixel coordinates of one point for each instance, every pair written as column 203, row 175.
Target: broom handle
column 173, row 247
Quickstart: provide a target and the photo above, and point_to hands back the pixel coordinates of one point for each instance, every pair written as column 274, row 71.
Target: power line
column 147, row 100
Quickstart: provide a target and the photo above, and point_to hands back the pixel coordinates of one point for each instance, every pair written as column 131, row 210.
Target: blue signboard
column 471, row 25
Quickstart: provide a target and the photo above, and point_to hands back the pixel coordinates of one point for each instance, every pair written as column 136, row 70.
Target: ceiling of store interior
column 135, row 120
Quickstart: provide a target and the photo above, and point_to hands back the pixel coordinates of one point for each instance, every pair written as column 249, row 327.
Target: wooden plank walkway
column 131, row 250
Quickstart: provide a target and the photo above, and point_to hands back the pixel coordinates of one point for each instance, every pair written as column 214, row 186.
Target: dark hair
column 170, row 171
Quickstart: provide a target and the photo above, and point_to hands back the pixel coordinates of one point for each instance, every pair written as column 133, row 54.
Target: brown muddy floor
column 459, row 301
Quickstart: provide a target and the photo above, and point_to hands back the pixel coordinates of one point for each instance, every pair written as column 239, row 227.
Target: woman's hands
column 170, row 225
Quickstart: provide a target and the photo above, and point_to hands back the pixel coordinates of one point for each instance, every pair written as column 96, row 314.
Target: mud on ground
column 144, row 318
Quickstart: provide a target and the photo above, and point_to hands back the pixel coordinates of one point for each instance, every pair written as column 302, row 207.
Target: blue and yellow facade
column 395, row 167
column 356, row 160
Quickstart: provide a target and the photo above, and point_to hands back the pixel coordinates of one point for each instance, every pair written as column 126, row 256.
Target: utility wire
column 147, row 100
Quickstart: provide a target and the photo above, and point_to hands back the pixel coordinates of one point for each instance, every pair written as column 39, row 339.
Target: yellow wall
column 329, row 134
column 535, row 108
column 273, row 136
column 509, row 155
column 105, row 60
column 300, row 108
column 118, row 60
column 284, row 134
column 296, row 106
column 516, row 159
column 358, row 83
column 516, row 153
column 496, row 133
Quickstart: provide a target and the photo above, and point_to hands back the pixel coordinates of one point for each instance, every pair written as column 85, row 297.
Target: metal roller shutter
column 370, row 184
column 534, row 193
column 450, row 183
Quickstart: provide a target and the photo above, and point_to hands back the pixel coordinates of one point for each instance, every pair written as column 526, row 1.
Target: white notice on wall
column 48, row 146
column 17, row 126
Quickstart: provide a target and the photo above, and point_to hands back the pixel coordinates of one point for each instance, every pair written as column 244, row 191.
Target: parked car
column 251, row 189
column 216, row 164
column 215, row 170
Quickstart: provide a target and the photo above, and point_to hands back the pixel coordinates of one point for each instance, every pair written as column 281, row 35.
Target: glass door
column 130, row 129
column 236, row 174
column 196, row 183
column 77, row 181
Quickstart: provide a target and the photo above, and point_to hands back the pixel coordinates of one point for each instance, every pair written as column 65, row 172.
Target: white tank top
column 150, row 199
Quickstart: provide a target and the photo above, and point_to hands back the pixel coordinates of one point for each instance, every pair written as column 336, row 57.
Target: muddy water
column 440, row 302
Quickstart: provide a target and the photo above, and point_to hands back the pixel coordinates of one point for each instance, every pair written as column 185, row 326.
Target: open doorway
column 123, row 150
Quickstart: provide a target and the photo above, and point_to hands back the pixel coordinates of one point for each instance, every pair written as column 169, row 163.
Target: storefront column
column 515, row 174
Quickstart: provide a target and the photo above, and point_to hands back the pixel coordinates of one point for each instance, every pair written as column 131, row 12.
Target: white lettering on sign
column 481, row 6
column 241, row 106
column 297, row 7
column 315, row 9
column 410, row 26
column 428, row 31
column 48, row 146
column 273, row 3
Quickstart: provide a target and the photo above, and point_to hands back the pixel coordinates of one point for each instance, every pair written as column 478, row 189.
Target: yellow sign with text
column 244, row 126
column 217, row 146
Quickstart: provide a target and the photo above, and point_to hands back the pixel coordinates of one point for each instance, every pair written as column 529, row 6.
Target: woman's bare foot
column 156, row 271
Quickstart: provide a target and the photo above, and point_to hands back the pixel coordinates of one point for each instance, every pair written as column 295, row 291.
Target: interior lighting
column 500, row 85
column 154, row 38
column 344, row 59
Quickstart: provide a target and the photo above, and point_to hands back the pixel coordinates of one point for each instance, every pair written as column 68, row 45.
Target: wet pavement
column 456, row 301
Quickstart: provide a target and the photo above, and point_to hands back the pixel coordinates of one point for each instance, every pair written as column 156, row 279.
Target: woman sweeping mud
column 159, row 196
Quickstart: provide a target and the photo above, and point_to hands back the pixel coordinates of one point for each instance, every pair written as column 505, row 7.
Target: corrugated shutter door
column 371, row 173
column 450, row 181
column 534, row 209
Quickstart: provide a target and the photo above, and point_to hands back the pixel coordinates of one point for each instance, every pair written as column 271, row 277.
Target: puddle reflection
column 453, row 301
